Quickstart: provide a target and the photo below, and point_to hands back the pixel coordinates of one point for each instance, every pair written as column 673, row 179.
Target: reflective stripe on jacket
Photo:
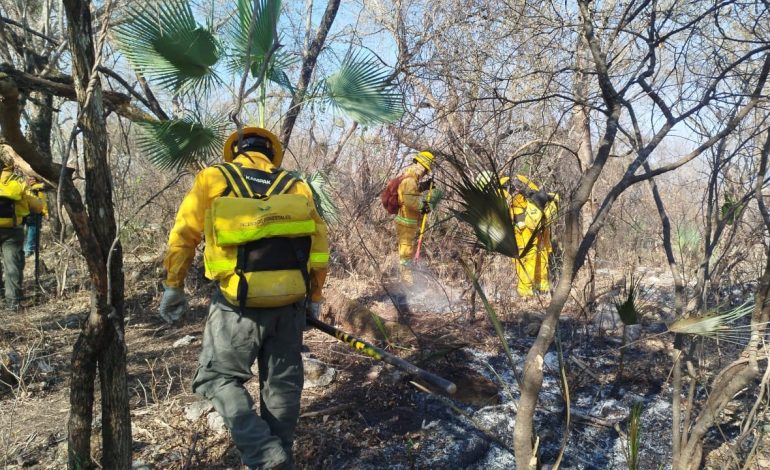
column 188, row 228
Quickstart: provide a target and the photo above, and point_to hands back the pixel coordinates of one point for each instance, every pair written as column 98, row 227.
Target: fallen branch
column 328, row 411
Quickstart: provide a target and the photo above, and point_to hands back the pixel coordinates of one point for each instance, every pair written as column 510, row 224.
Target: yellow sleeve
column 33, row 203
column 409, row 197
column 319, row 246
column 187, row 231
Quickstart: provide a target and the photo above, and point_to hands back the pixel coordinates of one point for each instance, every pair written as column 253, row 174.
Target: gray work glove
column 173, row 304
column 314, row 310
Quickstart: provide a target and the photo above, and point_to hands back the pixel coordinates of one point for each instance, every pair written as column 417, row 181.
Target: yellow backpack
column 258, row 238
column 11, row 191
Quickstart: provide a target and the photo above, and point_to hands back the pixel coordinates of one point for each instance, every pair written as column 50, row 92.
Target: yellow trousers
column 407, row 235
column 532, row 267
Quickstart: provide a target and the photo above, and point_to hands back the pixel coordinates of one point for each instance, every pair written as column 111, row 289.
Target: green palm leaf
column 177, row 143
column 362, row 89
column 732, row 209
column 485, row 208
column 320, row 184
column 488, row 214
column 262, row 40
column 164, row 43
column 630, row 304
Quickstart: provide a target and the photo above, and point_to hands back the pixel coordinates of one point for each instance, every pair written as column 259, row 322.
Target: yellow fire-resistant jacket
column 409, row 196
column 188, row 229
column 28, row 202
column 37, row 191
column 519, row 202
column 530, row 221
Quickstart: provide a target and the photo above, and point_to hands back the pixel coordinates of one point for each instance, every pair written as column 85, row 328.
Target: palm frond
column 177, row 143
column 276, row 72
column 434, row 198
column 630, row 305
column 688, row 239
column 732, row 209
column 320, row 184
column 486, row 210
column 713, row 325
column 164, row 43
column 243, row 56
column 362, row 89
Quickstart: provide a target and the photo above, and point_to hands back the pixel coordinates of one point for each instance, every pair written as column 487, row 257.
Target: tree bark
column 101, row 340
column 309, row 59
column 574, row 257
column 680, row 300
column 40, row 111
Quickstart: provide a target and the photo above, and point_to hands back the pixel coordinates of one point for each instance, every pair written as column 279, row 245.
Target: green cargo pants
column 11, row 242
column 231, row 343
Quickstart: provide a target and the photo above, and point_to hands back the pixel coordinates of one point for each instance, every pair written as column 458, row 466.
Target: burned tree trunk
column 101, row 344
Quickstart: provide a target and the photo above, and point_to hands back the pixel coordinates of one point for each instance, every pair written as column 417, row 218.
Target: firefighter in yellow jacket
column 267, row 247
column 34, row 221
column 411, row 209
column 16, row 203
column 533, row 211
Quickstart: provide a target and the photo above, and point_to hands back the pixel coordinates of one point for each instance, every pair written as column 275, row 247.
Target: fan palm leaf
column 732, row 209
column 712, row 325
column 164, row 43
column 485, row 208
column 262, row 38
column 362, row 89
column 177, row 143
column 630, row 304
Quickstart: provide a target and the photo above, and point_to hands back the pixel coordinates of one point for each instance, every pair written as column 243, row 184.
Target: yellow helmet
column 425, row 159
column 268, row 143
column 528, row 182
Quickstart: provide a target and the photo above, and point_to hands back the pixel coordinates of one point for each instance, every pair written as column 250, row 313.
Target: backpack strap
column 235, row 181
column 283, row 182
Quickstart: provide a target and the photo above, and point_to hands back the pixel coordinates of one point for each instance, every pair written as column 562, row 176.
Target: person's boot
column 407, row 277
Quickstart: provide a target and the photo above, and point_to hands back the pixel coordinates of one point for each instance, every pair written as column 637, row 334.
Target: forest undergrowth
column 369, row 412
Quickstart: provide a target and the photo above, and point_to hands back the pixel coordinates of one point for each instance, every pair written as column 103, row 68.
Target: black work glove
column 425, row 209
column 425, row 185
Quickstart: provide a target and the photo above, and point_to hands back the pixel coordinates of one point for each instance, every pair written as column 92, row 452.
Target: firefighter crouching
column 533, row 212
